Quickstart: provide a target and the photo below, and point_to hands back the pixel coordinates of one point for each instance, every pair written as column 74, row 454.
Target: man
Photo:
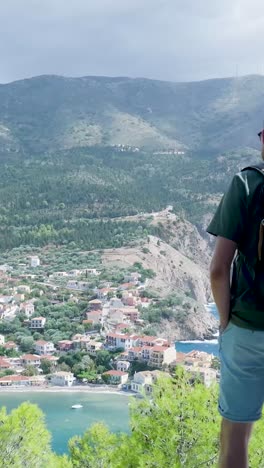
column 237, row 225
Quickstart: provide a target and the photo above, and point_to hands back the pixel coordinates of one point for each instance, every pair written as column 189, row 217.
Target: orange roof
column 87, row 321
column 136, row 349
column 9, row 344
column 159, row 348
column 42, row 342
column 47, row 357
column 148, row 339
column 115, row 372
column 118, row 335
column 94, row 312
column 30, row 357
column 181, row 355
column 122, row 325
column 14, row 378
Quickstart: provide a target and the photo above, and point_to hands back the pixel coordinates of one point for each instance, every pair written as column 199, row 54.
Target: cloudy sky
column 175, row 40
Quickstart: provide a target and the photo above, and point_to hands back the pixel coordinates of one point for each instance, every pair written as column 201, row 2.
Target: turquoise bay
column 64, row 422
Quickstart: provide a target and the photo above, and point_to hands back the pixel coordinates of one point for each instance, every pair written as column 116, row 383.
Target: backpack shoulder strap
column 260, row 169
column 257, row 167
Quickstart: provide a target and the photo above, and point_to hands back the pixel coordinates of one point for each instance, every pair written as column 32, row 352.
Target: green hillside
column 82, row 195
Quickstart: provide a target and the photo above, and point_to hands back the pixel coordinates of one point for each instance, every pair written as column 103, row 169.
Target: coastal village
column 110, row 328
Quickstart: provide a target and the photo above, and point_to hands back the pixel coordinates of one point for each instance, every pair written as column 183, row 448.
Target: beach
column 102, row 389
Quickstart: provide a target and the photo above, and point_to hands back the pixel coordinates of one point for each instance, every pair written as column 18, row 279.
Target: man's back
column 237, row 219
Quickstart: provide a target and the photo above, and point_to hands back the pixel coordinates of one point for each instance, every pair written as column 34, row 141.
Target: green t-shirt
column 234, row 220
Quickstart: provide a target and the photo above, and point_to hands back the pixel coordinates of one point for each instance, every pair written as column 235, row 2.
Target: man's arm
column 220, row 277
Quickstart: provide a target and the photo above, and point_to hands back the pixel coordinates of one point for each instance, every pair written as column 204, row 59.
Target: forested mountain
column 52, row 112
column 83, row 195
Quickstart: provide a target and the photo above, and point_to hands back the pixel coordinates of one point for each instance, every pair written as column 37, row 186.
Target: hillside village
column 112, row 344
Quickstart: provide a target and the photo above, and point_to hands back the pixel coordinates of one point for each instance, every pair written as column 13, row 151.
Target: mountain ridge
column 51, row 112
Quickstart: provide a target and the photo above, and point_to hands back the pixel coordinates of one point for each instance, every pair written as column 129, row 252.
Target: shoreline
column 77, row 389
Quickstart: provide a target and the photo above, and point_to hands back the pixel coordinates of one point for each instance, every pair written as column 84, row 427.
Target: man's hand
column 223, row 326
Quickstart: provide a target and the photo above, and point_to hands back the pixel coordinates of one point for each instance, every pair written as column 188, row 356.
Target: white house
column 122, row 366
column 62, row 379
column 116, row 377
column 74, row 273
column 140, row 381
column 161, row 355
column 2, row 340
column 37, row 323
column 143, row 381
column 59, row 274
column 205, row 375
column 78, row 285
column 28, row 308
column 34, row 261
column 24, row 288
column 93, row 347
column 92, row 271
column 44, row 347
column 116, row 340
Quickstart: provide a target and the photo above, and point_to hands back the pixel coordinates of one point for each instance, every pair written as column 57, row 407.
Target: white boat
column 77, row 406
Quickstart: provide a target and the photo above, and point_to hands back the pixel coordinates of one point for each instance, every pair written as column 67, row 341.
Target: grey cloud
column 164, row 39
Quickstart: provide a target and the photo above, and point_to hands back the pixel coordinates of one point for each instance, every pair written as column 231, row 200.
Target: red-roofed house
column 153, row 341
column 116, row 377
column 65, row 345
column 21, row 380
column 129, row 300
column 147, row 340
column 87, row 322
column 116, row 340
column 96, row 304
column 95, row 315
column 120, row 327
column 30, row 360
column 134, row 353
column 4, row 363
column 52, row 359
column 162, row 355
column 10, row 345
column 180, row 358
column 131, row 313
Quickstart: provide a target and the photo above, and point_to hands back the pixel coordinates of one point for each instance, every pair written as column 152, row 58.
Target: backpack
column 248, row 275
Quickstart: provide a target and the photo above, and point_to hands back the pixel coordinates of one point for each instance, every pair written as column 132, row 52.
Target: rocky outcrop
column 175, row 273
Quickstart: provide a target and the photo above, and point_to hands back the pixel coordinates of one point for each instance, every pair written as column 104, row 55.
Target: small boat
column 77, row 406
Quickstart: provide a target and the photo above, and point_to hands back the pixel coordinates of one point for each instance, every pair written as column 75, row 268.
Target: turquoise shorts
column 241, row 354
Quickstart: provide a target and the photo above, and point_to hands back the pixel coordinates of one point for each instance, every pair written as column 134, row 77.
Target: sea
column 64, row 422
column 209, row 346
